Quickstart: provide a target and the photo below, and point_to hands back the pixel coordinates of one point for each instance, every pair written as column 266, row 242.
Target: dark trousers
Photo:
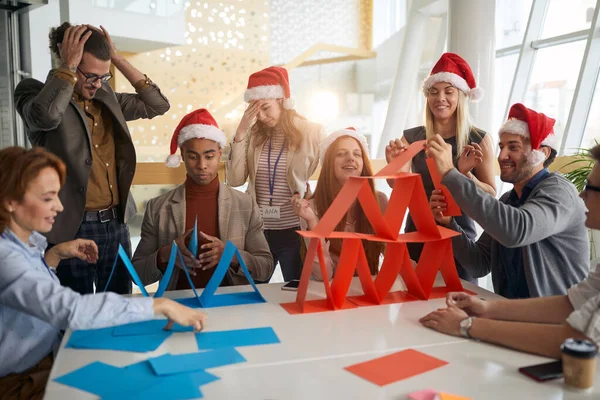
column 82, row 276
column 285, row 248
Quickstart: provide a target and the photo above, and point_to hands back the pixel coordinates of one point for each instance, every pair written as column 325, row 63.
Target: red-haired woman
column 34, row 307
column 276, row 150
column 344, row 154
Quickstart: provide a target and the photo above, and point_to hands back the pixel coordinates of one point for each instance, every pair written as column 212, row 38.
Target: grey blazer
column 239, row 221
column 54, row 121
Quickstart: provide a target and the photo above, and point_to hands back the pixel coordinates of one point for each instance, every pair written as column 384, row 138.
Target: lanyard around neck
column 272, row 182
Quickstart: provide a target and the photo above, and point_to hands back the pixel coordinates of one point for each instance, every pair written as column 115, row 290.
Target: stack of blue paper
column 165, row 377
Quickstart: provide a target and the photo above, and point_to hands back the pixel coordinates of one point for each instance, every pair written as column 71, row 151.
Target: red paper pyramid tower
column 408, row 193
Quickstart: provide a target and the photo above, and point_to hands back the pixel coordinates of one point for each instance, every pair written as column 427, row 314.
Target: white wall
column 41, row 19
column 135, row 28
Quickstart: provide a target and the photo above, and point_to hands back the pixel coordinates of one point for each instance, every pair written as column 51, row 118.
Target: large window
column 505, row 70
column 511, row 21
column 566, row 16
column 555, row 64
column 552, row 81
column 592, row 130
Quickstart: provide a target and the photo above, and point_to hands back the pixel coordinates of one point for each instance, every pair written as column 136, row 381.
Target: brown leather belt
column 102, row 216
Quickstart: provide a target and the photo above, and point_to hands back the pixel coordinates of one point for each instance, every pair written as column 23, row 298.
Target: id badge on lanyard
column 272, row 212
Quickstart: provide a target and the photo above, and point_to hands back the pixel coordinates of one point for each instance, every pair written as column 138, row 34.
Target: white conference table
column 309, row 362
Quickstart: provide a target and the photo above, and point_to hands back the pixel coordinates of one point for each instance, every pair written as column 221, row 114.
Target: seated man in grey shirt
column 532, row 325
column 534, row 242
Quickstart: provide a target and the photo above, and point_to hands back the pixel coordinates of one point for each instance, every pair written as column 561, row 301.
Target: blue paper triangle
column 193, row 246
column 208, row 299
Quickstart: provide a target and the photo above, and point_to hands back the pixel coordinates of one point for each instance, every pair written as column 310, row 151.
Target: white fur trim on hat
column 173, row 161
column 536, row 157
column 551, row 141
column 289, row 103
column 521, row 128
column 515, row 126
column 201, row 131
column 264, row 92
column 457, row 81
column 332, row 137
column 476, row 94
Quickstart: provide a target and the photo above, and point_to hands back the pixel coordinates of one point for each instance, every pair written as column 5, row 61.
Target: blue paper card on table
column 236, row 338
column 169, row 364
column 135, row 381
column 148, row 328
column 103, row 339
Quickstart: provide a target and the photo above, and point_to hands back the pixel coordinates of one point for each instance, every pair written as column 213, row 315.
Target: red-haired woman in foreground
column 344, row 154
column 34, row 307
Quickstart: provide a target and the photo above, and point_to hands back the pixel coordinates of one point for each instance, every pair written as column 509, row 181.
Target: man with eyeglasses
column 534, row 241
column 532, row 325
column 77, row 115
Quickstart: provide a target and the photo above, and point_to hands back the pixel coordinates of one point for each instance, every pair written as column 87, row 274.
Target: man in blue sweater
column 535, row 242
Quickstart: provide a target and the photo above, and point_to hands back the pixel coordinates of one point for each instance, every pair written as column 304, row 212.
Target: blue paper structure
column 208, row 299
column 135, row 381
column 148, row 328
column 103, row 339
column 169, row 364
column 236, row 338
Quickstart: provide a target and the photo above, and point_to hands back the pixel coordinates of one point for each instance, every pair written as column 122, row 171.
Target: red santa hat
column 270, row 83
column 332, row 137
column 453, row 69
column 536, row 127
column 198, row 124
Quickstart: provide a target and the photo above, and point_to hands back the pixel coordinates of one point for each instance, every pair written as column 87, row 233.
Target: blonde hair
column 464, row 125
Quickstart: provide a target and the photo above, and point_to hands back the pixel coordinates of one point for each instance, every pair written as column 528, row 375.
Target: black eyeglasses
column 591, row 188
column 95, row 78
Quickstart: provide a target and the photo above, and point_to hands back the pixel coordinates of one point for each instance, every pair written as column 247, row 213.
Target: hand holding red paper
column 471, row 157
column 394, row 149
column 445, row 320
column 472, row 305
column 441, row 152
column 438, row 205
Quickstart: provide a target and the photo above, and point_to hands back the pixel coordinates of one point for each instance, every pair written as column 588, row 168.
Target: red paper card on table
column 395, row 367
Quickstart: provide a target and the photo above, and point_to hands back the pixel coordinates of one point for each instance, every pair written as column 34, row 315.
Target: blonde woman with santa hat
column 276, row 150
column 343, row 154
column 534, row 241
column 448, row 90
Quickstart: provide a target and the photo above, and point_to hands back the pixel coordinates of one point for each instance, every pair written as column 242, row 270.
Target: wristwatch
column 465, row 325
